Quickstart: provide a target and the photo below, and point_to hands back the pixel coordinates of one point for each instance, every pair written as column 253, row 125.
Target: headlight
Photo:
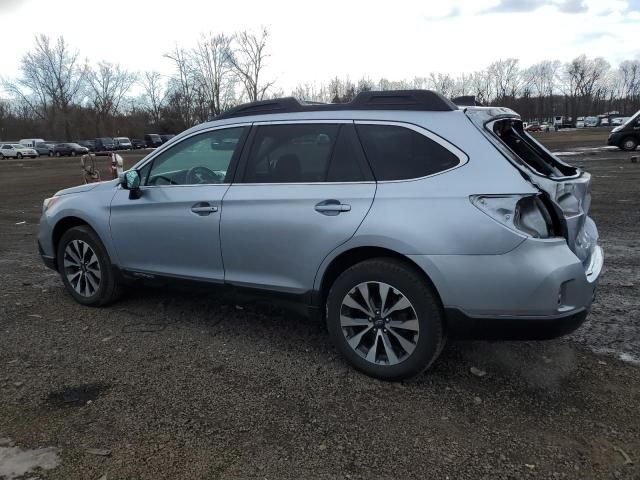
column 49, row 203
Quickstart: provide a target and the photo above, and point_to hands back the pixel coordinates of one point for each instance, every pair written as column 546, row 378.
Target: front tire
column 385, row 319
column 19, row 156
column 629, row 144
column 85, row 267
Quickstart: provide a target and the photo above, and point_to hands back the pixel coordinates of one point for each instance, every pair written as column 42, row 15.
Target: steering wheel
column 202, row 176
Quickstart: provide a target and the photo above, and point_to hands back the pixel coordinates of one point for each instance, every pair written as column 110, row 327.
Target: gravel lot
column 168, row 384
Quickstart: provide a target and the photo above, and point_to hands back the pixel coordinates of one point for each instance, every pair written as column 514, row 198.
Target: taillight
column 521, row 213
column 533, row 218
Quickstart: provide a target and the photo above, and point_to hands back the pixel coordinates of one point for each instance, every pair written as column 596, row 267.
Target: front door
column 303, row 190
column 173, row 227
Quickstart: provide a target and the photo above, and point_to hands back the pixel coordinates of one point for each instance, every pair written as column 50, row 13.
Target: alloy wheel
column 629, row 144
column 379, row 323
column 82, row 268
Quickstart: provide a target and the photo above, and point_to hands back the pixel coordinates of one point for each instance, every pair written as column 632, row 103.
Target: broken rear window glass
column 529, row 151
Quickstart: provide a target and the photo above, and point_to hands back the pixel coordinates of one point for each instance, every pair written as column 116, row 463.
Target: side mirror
column 131, row 181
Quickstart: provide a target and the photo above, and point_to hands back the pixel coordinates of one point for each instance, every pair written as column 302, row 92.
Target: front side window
column 399, row 153
column 202, row 159
column 304, row 153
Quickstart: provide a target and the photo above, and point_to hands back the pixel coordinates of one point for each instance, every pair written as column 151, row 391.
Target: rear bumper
column 463, row 327
column 538, row 290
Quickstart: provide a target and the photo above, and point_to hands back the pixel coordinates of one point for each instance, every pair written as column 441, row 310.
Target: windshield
column 122, row 139
column 17, row 145
column 106, row 140
column 633, row 118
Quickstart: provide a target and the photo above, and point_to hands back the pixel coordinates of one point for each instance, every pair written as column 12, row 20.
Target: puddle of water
column 75, row 396
column 624, row 356
column 582, row 150
column 16, row 462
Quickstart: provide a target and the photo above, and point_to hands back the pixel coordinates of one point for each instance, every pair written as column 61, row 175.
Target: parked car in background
column 69, row 149
column 398, row 218
column 618, row 121
column 122, row 143
column 136, row 143
column 30, row 142
column 104, row 144
column 16, row 150
column 152, row 140
column 166, row 137
column 534, row 127
column 89, row 144
column 44, row 148
column 627, row 135
column 580, row 122
column 591, row 122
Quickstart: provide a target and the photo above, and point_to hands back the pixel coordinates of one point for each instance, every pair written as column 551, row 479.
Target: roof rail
column 416, row 100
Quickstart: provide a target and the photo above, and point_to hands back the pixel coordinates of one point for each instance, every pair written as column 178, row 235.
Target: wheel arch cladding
column 65, row 224
column 350, row 257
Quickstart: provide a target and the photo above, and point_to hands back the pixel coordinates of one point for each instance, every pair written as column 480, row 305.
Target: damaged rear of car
column 559, row 212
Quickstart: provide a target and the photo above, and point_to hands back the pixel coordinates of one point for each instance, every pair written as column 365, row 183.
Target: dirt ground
column 168, row 384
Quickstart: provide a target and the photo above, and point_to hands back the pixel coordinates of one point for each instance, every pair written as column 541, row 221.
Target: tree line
column 56, row 95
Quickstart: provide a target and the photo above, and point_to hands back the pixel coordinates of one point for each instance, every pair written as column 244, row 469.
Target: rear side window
column 304, row 153
column 399, row 153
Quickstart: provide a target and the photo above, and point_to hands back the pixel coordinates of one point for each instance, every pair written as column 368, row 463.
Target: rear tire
column 85, row 268
column 629, row 144
column 404, row 334
column 58, row 154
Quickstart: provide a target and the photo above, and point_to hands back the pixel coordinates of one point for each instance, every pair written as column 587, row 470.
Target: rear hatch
column 566, row 189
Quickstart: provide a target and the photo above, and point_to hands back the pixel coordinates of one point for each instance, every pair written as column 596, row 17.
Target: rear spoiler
column 466, row 101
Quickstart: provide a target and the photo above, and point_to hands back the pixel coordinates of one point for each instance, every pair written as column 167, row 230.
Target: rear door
column 303, row 190
column 172, row 229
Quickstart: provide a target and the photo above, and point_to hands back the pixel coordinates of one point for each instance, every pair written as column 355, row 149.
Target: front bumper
column 540, row 285
column 48, row 260
column 614, row 139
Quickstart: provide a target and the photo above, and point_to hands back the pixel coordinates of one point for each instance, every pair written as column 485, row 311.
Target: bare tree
column 155, row 94
column 442, row 83
column 182, row 85
column 51, row 80
column 583, row 77
column 108, row 84
column 248, row 61
column 505, row 75
column 213, row 72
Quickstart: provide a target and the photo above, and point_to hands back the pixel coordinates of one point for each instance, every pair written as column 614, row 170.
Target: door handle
column 203, row 209
column 332, row 207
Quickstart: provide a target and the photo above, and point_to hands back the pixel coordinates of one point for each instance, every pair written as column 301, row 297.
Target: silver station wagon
column 399, row 218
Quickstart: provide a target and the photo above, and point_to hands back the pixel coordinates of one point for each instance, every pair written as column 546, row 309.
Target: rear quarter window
column 400, row 153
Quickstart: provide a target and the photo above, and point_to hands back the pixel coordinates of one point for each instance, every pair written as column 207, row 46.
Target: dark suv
column 627, row 135
column 152, row 140
column 104, row 144
column 70, row 149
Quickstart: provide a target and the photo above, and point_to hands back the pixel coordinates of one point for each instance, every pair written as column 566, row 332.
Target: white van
column 31, row 142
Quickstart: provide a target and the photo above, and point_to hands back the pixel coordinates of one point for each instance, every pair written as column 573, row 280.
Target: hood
column 87, row 187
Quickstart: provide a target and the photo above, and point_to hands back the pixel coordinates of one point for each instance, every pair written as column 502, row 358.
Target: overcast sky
column 314, row 41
